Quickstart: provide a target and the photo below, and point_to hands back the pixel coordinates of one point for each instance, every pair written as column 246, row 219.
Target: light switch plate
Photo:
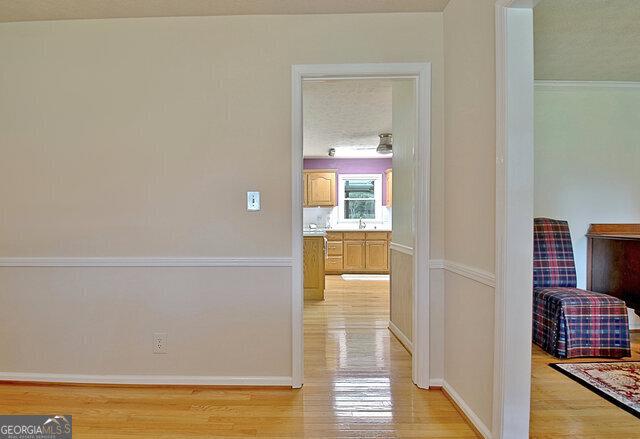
column 253, row 200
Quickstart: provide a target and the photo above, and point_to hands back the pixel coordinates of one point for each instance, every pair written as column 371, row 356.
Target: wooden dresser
column 613, row 261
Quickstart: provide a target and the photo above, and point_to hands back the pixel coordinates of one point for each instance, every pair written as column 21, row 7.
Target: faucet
column 361, row 224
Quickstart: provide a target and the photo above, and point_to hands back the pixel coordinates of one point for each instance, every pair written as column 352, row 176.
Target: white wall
column 140, row 137
column 587, row 160
column 404, row 112
column 404, row 139
column 470, row 147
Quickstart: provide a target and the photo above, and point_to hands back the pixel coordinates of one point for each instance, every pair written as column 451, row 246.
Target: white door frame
column 422, row 73
column 514, row 218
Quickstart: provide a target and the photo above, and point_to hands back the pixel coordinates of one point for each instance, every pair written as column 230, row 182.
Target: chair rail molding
column 401, row 248
column 144, row 262
column 550, row 85
column 473, row 273
column 476, row 274
column 156, row 380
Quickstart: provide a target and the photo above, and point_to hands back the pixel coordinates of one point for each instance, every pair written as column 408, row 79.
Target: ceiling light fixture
column 386, row 144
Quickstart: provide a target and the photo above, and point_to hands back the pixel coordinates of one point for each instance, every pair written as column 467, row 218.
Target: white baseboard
column 195, row 380
column 470, row 414
column 436, row 382
column 401, row 337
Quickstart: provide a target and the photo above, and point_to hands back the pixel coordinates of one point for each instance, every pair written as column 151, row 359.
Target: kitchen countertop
column 314, row 232
column 323, row 232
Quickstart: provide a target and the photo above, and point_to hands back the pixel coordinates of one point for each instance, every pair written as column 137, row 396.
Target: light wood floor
column 357, row 385
column 562, row 408
column 364, row 373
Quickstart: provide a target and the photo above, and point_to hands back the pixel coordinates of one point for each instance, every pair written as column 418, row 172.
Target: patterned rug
column 616, row 381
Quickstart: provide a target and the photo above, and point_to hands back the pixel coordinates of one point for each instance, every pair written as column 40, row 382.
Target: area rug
column 365, row 277
column 616, row 381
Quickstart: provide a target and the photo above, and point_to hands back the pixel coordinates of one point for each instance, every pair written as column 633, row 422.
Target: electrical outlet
column 160, row 343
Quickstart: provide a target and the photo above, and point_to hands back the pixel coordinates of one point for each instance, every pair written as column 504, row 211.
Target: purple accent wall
column 352, row 166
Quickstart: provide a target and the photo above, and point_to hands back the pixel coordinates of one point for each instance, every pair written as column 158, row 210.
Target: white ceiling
column 587, row 40
column 32, row 10
column 344, row 112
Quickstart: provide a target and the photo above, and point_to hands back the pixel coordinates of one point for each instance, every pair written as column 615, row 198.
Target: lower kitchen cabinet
column 357, row 252
column 377, row 255
column 313, row 269
column 354, row 255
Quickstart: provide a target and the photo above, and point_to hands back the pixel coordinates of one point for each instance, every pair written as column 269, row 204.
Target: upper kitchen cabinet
column 320, row 188
column 388, row 196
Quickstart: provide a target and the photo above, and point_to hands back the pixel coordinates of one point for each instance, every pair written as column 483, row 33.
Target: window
column 360, row 197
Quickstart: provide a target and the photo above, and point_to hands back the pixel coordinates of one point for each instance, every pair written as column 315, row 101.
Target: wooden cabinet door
column 353, row 255
column 321, row 189
column 305, row 189
column 313, row 267
column 377, row 255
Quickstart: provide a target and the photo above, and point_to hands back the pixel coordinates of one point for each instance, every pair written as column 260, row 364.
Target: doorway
column 358, row 199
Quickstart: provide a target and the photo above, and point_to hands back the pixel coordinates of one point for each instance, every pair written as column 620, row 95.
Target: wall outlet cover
column 160, row 343
column 253, row 200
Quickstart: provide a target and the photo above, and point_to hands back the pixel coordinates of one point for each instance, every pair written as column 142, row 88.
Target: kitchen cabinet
column 313, row 267
column 388, row 196
column 357, row 252
column 319, row 188
column 354, row 255
column 377, row 255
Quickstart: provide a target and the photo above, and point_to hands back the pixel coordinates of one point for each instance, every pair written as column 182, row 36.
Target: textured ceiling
column 344, row 112
column 587, row 40
column 30, row 10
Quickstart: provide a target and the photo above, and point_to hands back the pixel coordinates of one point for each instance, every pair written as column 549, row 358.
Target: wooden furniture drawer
column 334, row 236
column 333, row 263
column 354, row 235
column 334, row 248
column 382, row 236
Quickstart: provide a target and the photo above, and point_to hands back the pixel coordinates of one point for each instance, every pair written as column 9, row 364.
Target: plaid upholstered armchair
column 569, row 322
